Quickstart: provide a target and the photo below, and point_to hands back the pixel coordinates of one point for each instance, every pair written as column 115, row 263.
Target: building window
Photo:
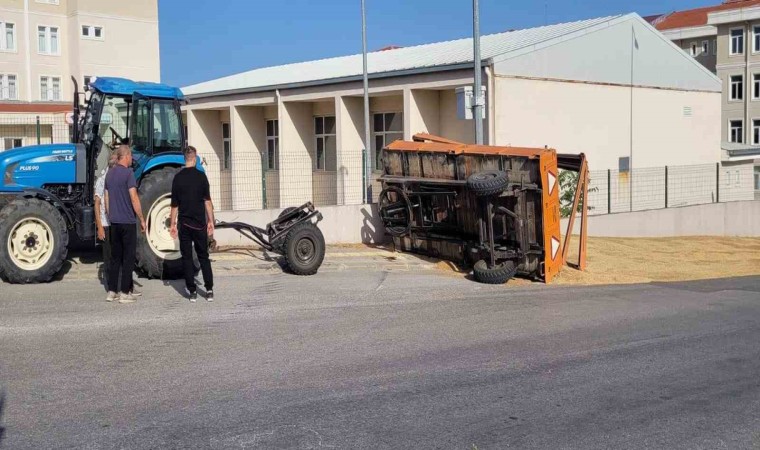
column 47, row 41
column 757, row 178
column 227, row 142
column 755, row 132
column 705, row 47
column 327, row 153
column 11, row 143
column 92, row 32
column 737, row 88
column 737, row 41
column 87, row 80
column 387, row 127
column 736, row 131
column 7, row 36
column 273, row 145
column 756, row 86
column 693, row 51
column 756, row 39
column 50, row 89
column 8, row 87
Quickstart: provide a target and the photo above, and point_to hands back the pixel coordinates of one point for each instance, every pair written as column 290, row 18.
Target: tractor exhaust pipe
column 76, row 111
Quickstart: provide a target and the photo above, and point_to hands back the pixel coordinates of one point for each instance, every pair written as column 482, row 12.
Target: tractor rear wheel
column 33, row 241
column 304, row 249
column 157, row 252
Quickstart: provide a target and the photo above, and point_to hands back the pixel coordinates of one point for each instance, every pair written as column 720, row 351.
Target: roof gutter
column 348, row 79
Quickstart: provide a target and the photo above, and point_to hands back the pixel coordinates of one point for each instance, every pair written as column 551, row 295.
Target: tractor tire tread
column 10, row 214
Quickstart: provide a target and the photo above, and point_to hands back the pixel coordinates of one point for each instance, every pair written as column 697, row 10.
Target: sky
column 202, row 40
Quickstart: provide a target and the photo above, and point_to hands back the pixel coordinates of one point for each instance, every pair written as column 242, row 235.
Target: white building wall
column 600, row 121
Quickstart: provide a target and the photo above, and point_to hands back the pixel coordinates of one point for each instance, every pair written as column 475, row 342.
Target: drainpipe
column 748, row 132
column 27, row 53
column 490, row 104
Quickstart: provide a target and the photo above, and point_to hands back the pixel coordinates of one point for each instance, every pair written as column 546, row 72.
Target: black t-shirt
column 190, row 190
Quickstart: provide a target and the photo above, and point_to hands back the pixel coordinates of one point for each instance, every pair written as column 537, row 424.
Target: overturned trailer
column 496, row 208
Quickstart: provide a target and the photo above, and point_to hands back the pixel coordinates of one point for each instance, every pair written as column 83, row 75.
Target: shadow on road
column 2, row 409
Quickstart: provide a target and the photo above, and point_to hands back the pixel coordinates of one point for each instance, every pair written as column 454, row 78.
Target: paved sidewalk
column 246, row 261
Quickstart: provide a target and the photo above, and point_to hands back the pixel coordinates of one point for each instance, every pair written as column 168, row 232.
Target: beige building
column 43, row 43
column 725, row 38
column 613, row 88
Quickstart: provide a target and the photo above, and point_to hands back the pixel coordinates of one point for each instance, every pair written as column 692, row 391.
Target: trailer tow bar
column 294, row 235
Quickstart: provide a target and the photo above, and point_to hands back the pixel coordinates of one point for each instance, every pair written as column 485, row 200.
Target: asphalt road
column 377, row 360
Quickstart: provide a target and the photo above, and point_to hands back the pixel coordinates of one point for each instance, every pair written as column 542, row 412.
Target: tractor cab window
column 156, row 127
column 167, row 135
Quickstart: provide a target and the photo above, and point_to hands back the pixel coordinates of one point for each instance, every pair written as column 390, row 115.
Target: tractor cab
column 145, row 115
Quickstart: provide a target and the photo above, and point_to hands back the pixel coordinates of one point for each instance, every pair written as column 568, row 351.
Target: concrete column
column 296, row 142
column 248, row 129
column 349, row 112
column 204, row 130
column 421, row 112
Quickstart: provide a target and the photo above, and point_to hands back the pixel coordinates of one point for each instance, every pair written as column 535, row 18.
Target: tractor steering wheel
column 116, row 139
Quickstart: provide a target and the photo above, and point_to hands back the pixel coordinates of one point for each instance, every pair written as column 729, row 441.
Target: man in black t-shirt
column 192, row 220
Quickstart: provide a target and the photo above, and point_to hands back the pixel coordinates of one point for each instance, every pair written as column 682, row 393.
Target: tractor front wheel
column 33, row 241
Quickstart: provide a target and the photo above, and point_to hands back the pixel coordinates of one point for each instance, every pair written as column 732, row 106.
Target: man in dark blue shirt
column 123, row 210
column 192, row 220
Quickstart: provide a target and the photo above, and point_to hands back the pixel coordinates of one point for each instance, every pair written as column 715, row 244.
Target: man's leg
column 186, row 249
column 200, row 239
column 106, row 254
column 128, row 265
column 117, row 254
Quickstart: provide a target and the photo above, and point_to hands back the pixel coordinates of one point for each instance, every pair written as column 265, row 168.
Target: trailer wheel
column 157, row 252
column 499, row 274
column 304, row 249
column 395, row 211
column 34, row 241
column 489, row 182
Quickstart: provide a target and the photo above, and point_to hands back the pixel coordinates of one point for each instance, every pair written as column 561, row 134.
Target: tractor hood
column 35, row 166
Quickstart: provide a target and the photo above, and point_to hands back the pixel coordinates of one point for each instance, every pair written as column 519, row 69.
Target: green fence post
column 365, row 185
column 609, row 192
column 666, row 186
column 717, row 182
column 263, row 182
column 39, row 131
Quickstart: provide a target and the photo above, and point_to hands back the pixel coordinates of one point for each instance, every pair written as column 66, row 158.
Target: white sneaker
column 111, row 296
column 136, row 293
column 126, row 298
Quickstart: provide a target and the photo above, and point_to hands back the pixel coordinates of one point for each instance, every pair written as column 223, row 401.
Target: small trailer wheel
column 489, row 182
column 304, row 249
column 498, row 274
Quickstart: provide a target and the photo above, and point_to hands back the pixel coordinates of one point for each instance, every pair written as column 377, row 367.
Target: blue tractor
column 46, row 194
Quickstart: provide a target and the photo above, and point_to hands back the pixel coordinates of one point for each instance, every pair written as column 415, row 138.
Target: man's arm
column 137, row 207
column 98, row 222
column 105, row 203
column 210, row 217
column 209, row 207
column 173, row 229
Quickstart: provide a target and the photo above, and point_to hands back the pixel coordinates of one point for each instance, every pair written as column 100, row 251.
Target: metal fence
column 260, row 177
column 18, row 130
column 613, row 191
column 251, row 181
